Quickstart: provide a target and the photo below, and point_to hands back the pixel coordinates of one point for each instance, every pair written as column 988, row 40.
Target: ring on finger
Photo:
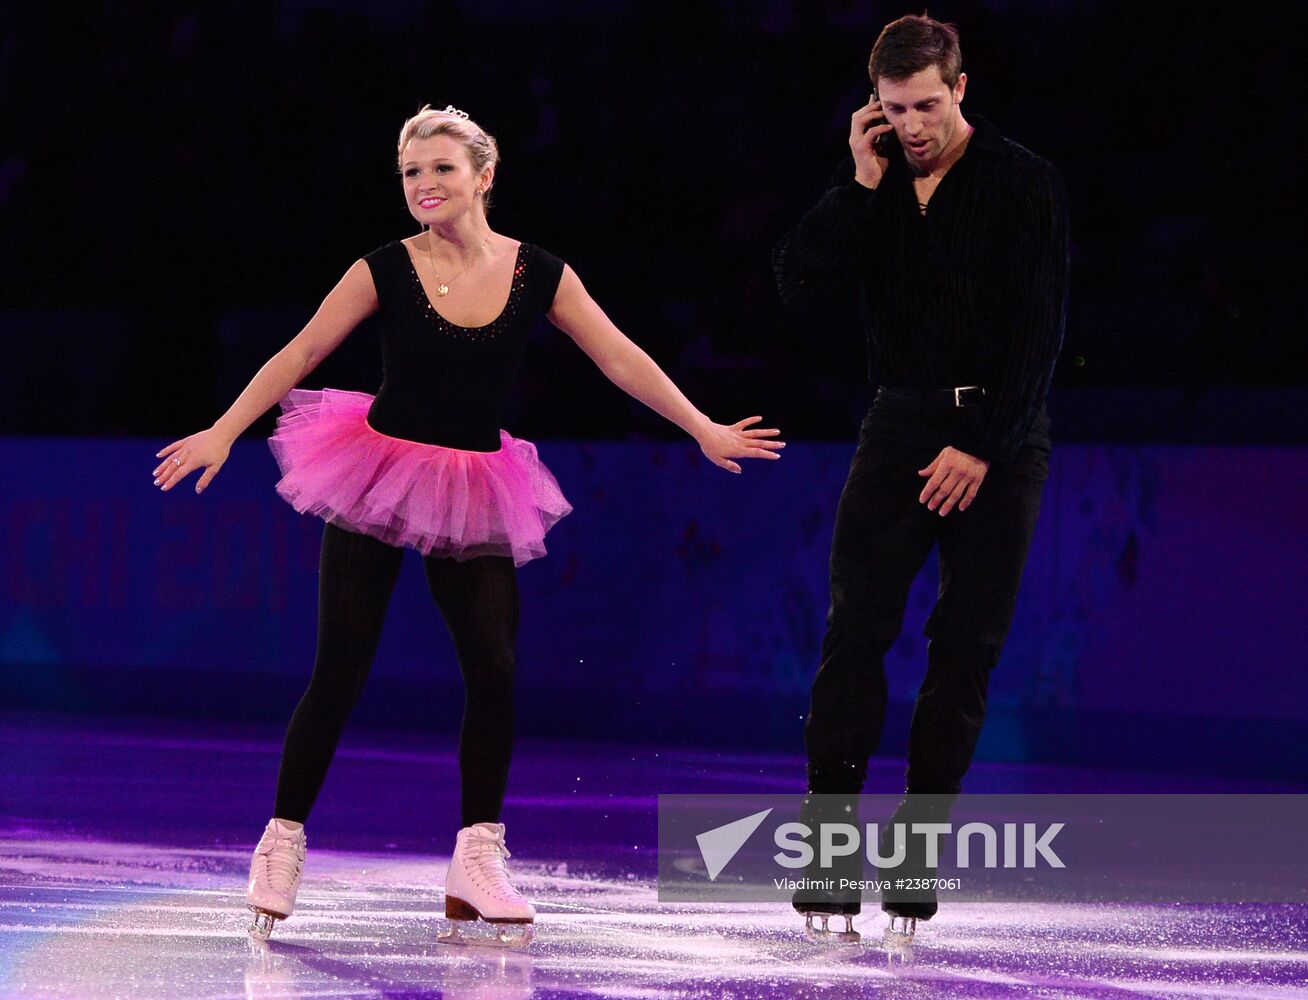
column 177, row 461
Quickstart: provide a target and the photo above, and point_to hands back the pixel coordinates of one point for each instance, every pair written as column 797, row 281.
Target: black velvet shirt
column 445, row 384
column 973, row 292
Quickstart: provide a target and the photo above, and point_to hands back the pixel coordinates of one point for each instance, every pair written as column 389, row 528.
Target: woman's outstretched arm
column 352, row 300
column 635, row 373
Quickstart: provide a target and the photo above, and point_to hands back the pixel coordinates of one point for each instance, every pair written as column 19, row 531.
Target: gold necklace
column 443, row 287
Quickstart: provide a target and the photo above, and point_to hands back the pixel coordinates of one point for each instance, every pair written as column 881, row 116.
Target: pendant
column 442, row 290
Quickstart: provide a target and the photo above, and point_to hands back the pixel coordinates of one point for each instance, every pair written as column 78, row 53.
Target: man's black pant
column 883, row 536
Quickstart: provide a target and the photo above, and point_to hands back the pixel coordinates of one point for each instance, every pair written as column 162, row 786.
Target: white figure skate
column 275, row 875
column 478, row 888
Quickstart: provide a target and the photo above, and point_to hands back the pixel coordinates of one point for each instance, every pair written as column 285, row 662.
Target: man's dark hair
column 912, row 44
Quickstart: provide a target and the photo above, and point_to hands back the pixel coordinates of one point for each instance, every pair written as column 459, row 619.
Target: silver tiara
column 450, row 109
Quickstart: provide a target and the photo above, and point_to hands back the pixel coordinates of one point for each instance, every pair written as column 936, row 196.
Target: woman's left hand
column 721, row 443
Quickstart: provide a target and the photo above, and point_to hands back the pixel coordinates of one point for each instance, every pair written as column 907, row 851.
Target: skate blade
column 899, row 947
column 261, row 927
column 898, row 939
column 480, row 933
column 833, row 938
column 824, row 935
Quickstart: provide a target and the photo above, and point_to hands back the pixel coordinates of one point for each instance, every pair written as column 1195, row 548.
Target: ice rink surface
column 124, row 847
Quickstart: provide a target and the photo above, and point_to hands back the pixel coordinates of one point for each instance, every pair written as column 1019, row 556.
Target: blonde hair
column 482, row 149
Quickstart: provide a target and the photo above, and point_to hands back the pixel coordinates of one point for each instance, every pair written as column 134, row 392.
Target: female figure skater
column 424, row 465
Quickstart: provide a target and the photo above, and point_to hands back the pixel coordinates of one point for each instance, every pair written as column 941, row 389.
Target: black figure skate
column 821, row 895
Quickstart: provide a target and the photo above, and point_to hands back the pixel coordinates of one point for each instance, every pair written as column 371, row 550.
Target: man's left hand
column 955, row 479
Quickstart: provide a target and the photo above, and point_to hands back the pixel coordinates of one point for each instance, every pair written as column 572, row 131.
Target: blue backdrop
column 1159, row 623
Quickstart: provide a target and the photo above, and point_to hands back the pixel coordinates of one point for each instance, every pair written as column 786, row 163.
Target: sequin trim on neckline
column 492, row 328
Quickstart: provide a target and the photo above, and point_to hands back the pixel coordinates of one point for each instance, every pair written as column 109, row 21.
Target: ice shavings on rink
column 90, row 918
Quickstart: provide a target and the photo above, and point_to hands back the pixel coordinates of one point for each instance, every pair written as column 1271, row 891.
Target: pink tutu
column 440, row 501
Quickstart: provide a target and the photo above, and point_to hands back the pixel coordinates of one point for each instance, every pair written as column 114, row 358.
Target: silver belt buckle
column 958, row 402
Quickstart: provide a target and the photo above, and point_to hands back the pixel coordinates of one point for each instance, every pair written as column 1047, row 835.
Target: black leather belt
column 930, row 400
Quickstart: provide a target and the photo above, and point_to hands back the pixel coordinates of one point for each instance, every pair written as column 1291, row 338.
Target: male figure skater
column 957, row 240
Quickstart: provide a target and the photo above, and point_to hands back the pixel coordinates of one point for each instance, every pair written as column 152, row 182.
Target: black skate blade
column 824, row 934
column 898, row 939
column 831, row 939
column 898, row 949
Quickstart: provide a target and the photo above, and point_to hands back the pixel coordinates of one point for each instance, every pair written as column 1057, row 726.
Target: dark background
column 181, row 183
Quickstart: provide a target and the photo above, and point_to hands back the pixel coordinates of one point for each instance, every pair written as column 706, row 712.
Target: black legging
column 479, row 600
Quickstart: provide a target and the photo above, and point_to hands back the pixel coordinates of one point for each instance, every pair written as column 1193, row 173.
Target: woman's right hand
column 864, row 130
column 207, row 450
